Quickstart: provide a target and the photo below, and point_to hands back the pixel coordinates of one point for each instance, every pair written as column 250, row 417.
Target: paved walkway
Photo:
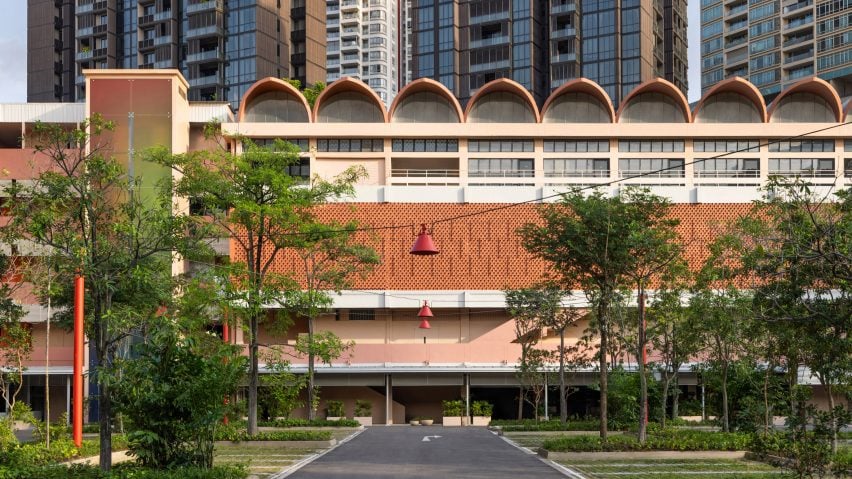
column 426, row 452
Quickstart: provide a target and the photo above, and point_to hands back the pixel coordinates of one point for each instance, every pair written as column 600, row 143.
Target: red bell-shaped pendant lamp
column 425, row 312
column 424, row 245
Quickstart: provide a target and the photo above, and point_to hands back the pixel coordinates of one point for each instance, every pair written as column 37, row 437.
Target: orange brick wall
column 481, row 252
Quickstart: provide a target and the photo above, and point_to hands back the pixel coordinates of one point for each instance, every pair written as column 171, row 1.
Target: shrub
column 363, row 408
column 334, row 409
column 238, row 435
column 308, row 423
column 481, row 408
column 453, row 408
column 553, row 425
column 120, row 471
column 668, row 440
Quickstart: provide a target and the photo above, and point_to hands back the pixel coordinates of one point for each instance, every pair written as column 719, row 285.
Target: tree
column 330, row 259
column 172, row 390
column 526, row 306
column 590, row 242
column 311, row 93
column 251, row 198
column 537, row 307
column 675, row 341
column 798, row 245
column 15, row 338
column 91, row 219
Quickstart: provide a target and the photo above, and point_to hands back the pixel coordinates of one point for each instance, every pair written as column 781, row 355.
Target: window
column 499, row 146
column 562, row 167
column 723, row 146
column 711, row 29
column 571, row 146
column 500, row 167
column 346, row 145
column 648, row 146
column 362, row 315
column 425, row 145
column 727, row 168
column 796, row 146
column 654, row 167
column 847, row 167
column 813, row 167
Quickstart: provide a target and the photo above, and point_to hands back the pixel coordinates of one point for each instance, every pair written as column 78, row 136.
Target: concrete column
column 388, row 399
column 68, row 398
column 466, row 396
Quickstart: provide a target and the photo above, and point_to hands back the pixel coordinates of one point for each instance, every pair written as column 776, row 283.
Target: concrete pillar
column 388, row 399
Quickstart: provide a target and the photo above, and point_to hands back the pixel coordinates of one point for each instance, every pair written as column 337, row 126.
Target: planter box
column 427, row 422
column 364, row 420
column 414, row 423
column 481, row 420
column 454, row 421
column 334, row 418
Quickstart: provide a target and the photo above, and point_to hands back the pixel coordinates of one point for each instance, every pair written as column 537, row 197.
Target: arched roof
column 739, row 86
column 847, row 109
column 269, row 84
column 816, row 86
column 503, row 85
column 348, row 84
column 663, row 87
column 426, row 85
column 580, row 85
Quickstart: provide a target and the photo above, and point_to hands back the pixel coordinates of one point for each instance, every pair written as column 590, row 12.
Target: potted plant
column 364, row 412
column 334, row 410
column 414, row 422
column 426, row 421
column 453, row 411
column 481, row 411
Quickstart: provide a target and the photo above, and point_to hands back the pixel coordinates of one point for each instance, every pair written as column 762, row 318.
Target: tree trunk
column 104, row 416
column 563, row 401
column 602, row 364
column 312, row 412
column 725, row 421
column 766, row 416
column 253, row 376
column 520, row 402
column 643, row 379
column 665, row 399
column 675, row 398
column 830, row 391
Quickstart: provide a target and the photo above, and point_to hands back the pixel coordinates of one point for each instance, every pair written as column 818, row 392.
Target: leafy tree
column 526, row 306
column 283, row 388
column 251, row 198
column 589, row 242
column 310, row 92
column 330, row 258
column 542, row 307
column 799, row 245
column 90, row 219
column 15, row 337
column 675, row 341
column 172, row 393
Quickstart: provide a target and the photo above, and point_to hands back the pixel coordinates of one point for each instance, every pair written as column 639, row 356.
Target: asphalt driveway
column 402, row 452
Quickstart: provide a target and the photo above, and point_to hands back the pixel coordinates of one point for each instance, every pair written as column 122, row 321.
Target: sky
column 13, row 50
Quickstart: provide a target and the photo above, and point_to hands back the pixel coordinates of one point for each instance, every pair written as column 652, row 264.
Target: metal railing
column 727, row 173
column 502, row 174
column 808, row 173
column 577, row 174
column 424, row 173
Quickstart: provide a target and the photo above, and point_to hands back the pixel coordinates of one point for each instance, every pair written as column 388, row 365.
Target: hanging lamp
column 425, row 312
column 424, row 245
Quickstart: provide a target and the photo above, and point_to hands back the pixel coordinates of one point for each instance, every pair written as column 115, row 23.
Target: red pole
column 77, row 412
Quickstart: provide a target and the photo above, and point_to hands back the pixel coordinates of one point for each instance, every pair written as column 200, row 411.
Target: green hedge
column 242, row 435
column 307, row 423
column 661, row 441
column 533, row 425
column 120, row 471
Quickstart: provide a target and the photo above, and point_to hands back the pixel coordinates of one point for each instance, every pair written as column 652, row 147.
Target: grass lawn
column 673, row 469
column 533, row 441
column 266, row 461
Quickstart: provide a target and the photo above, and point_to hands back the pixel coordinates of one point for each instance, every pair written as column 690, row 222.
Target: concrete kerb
column 565, row 471
column 639, row 455
column 117, row 457
column 304, row 462
column 299, row 444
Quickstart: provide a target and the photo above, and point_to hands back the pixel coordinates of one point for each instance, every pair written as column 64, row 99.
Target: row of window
column 418, row 145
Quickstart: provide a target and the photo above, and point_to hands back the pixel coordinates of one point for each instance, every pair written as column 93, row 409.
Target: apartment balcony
column 298, row 36
column 164, row 15
column 298, row 58
column 736, row 27
column 801, row 57
column 735, row 42
column 737, row 11
column 352, row 59
column 426, row 176
column 99, row 6
column 85, row 32
column 577, row 174
column 488, row 42
column 100, row 29
column 502, row 174
column 146, row 44
column 795, row 7
column 563, row 8
column 350, row 5
column 349, row 46
column 99, row 53
column 57, row 45
column 727, row 174
column 491, row 17
column 797, row 41
column 212, row 30
column 204, row 56
column 209, row 5
column 349, row 19
column 208, row 80
column 735, row 58
column 563, row 57
column 798, row 24
column 332, row 10
column 489, row 66
column 84, row 55
column 810, row 173
column 85, row 6
column 563, row 33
